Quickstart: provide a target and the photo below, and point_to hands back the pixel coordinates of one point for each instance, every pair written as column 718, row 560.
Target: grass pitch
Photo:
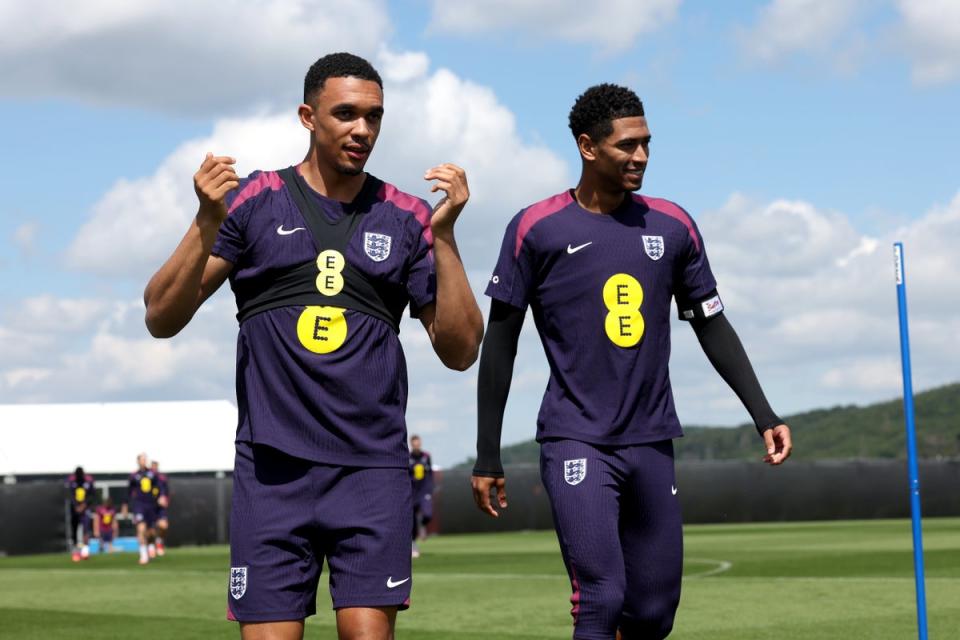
column 789, row 581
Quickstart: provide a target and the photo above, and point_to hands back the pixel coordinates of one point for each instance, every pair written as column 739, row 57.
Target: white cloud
column 612, row 26
column 403, row 67
column 25, row 237
column 106, row 353
column 931, row 34
column 872, row 375
column 823, row 330
column 822, row 27
column 15, row 377
column 47, row 313
column 137, row 224
column 178, row 55
column 431, row 118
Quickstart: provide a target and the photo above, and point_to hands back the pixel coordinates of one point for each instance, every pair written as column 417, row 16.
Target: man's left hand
column 452, row 180
column 778, row 444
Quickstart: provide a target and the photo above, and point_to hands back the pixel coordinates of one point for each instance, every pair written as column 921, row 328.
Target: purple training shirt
column 341, row 401
column 600, row 288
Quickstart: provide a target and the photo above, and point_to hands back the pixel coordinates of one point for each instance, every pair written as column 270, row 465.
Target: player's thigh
column 584, row 497
column 274, row 568
column 367, row 517
column 652, row 537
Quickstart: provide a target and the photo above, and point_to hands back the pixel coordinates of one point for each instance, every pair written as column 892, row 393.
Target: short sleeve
column 512, row 277
column 422, row 271
column 230, row 241
column 696, row 287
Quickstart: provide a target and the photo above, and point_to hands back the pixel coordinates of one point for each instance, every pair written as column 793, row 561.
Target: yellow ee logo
column 322, row 329
column 107, row 518
column 145, row 485
column 623, row 295
column 330, row 263
column 418, row 472
column 80, row 494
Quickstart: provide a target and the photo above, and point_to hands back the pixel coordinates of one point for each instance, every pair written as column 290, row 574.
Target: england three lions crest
column 377, row 246
column 238, row 582
column 653, row 245
column 574, row 471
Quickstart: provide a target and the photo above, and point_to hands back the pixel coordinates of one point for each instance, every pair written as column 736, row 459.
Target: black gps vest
column 297, row 285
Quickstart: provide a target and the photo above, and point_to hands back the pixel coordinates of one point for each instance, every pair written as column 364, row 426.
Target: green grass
column 789, row 581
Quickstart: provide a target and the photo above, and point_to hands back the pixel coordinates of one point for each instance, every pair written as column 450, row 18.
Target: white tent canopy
column 106, row 437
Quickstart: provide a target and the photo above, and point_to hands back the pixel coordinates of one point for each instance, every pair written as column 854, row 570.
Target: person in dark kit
column 143, row 504
column 599, row 266
column 421, row 479
column 161, row 494
column 80, row 493
column 323, row 259
column 106, row 527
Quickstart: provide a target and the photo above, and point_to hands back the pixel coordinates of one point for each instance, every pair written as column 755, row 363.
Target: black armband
column 493, row 384
column 724, row 350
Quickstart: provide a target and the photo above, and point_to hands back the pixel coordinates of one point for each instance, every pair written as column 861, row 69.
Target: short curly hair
column 595, row 110
column 337, row 65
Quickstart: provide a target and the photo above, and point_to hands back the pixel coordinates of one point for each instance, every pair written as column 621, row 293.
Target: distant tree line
column 872, row 431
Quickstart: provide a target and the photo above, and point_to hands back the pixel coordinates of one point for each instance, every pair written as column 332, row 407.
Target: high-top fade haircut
column 336, row 65
column 595, row 110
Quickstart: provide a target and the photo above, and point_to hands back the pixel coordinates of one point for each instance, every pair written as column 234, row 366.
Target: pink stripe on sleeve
column 537, row 212
column 266, row 180
column 407, row 202
column 670, row 209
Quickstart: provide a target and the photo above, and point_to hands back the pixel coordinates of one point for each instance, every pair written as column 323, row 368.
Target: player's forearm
column 493, row 385
column 458, row 323
column 723, row 348
column 174, row 292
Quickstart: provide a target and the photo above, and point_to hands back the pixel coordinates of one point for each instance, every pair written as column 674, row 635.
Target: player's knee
column 653, row 621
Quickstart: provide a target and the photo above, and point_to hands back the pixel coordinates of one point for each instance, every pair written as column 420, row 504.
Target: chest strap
column 297, row 285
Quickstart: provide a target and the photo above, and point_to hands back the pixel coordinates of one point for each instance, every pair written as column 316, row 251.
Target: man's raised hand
column 215, row 178
column 452, row 180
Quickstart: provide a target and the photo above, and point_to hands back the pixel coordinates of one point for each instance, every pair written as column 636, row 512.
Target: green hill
column 872, row 431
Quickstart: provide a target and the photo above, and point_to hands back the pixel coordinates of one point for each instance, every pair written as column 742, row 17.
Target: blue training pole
column 911, row 442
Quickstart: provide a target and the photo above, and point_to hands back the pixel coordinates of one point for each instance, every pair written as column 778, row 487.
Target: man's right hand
column 482, row 487
column 215, row 178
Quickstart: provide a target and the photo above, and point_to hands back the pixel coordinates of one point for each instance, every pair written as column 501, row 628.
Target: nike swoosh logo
column 673, row 490
column 391, row 584
column 577, row 248
column 286, row 232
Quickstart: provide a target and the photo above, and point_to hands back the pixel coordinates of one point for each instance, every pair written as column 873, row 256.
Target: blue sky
column 803, row 135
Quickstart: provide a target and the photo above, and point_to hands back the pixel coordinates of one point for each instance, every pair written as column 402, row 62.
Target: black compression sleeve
column 493, row 384
column 726, row 354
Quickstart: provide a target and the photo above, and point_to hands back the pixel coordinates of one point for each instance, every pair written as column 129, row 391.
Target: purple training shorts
column 291, row 514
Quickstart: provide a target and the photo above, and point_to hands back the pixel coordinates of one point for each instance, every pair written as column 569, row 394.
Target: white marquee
column 106, row 437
